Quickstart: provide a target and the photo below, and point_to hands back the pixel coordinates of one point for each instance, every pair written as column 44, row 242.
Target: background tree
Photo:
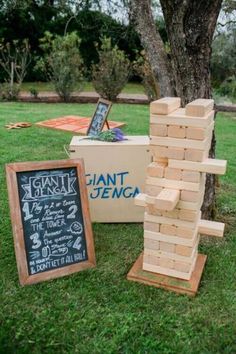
column 142, row 67
column 111, row 73
column 190, row 26
column 14, row 60
column 62, row 63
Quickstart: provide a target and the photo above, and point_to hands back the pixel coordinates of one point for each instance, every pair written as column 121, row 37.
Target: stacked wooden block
column 180, row 140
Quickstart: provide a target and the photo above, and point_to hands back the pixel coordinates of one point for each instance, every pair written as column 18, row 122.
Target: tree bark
column 190, row 27
column 141, row 14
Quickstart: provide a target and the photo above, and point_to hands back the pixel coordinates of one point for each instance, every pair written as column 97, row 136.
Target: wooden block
column 151, row 244
column 172, row 173
column 158, row 152
column 196, row 133
column 195, row 155
column 156, row 169
column 188, row 287
column 201, row 134
column 140, row 200
column 176, row 131
column 199, row 107
column 166, row 271
column 149, row 199
column 190, row 196
column 174, row 256
column 151, row 209
column 158, row 129
column 167, row 199
column 165, row 105
column 211, row 228
column 171, row 184
column 166, row 263
column 175, row 153
column 184, row 250
column 180, row 205
column 182, row 266
column 172, row 240
column 152, row 190
column 150, row 226
column 188, row 205
column 150, row 259
column 188, row 215
column 202, row 181
column 163, row 160
column 208, row 165
column 190, row 176
column 169, row 221
column 174, row 214
column 168, row 229
column 167, row 247
column 179, row 143
column 185, row 232
column 179, row 117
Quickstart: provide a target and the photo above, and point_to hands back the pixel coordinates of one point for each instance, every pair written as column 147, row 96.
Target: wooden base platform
column 189, row 287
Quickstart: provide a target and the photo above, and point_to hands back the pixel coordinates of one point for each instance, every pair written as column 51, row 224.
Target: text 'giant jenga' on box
column 180, row 139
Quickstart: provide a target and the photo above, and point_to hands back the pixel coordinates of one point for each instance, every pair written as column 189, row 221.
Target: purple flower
column 119, row 135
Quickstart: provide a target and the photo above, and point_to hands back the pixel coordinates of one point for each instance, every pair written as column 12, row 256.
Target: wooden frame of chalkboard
column 50, row 219
column 99, row 117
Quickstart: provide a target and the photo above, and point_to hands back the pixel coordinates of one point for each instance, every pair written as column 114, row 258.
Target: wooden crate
column 115, row 174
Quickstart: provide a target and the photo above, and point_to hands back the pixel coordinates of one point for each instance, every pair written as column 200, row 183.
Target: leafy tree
column 223, row 63
column 62, row 63
column 14, row 59
column 111, row 73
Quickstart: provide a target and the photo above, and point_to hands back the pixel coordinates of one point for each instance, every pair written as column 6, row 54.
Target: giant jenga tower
column 180, row 139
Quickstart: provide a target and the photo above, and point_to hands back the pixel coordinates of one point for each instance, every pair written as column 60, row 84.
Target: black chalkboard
column 99, row 118
column 54, row 218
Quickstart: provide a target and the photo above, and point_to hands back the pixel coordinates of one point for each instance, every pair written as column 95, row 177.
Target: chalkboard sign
column 99, row 118
column 50, row 218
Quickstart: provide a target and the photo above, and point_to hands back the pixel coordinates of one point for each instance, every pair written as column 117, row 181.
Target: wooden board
column 169, row 221
column 165, row 105
column 179, row 117
column 199, row 107
column 172, row 184
column 188, row 287
column 175, row 240
column 74, row 124
column 180, row 143
column 50, row 219
column 208, row 165
column 167, row 199
column 142, row 200
column 211, row 228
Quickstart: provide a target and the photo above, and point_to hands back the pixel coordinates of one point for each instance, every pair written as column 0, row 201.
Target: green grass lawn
column 98, row 310
column 131, row 87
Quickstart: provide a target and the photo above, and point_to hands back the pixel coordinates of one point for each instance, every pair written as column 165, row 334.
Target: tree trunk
column 190, row 27
column 141, row 14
